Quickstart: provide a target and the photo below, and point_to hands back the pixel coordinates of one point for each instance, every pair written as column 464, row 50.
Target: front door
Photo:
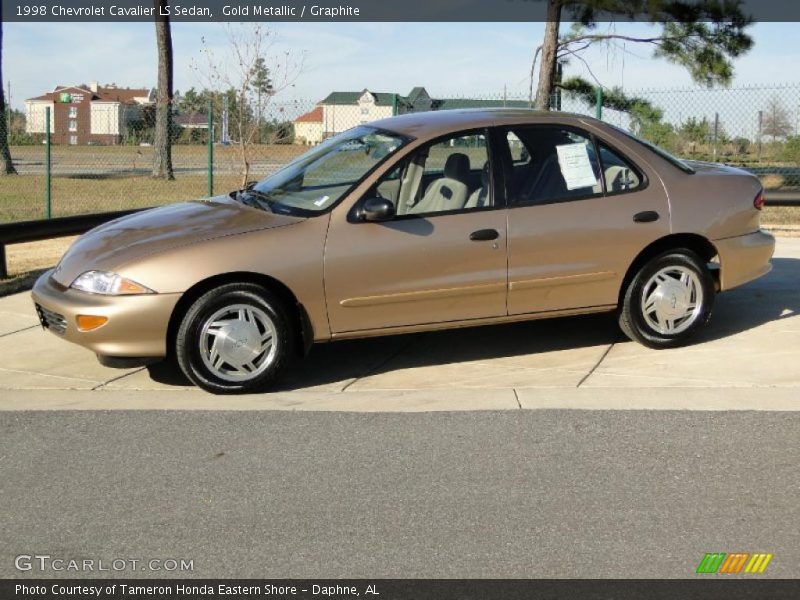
column 441, row 258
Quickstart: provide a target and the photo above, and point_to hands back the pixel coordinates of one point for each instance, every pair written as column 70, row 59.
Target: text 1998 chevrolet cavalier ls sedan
column 419, row 222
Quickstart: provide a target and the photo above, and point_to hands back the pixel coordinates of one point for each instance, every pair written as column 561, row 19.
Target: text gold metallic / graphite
column 257, row 10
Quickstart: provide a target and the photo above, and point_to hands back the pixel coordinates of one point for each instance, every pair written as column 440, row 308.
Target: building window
column 73, row 140
column 73, row 125
column 73, row 112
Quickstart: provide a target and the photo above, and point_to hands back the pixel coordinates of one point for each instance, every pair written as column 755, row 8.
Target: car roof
column 430, row 124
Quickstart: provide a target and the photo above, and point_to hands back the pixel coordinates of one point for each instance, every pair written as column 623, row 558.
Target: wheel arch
column 297, row 313
column 702, row 246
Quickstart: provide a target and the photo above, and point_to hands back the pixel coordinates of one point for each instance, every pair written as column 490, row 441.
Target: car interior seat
column 448, row 192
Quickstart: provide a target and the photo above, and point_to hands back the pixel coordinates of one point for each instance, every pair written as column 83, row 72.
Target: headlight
column 109, row 284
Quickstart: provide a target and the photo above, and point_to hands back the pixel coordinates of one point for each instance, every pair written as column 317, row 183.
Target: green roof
column 414, row 94
column 381, row 98
column 451, row 103
column 387, row 99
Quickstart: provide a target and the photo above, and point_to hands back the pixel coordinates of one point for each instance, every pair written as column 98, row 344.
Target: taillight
column 758, row 201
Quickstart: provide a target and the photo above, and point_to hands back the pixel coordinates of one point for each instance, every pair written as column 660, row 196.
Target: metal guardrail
column 779, row 198
column 34, row 231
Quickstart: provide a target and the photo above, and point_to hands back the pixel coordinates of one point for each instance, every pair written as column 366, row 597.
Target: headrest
column 457, row 167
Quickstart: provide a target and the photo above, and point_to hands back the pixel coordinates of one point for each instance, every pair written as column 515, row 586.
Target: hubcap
column 672, row 300
column 237, row 343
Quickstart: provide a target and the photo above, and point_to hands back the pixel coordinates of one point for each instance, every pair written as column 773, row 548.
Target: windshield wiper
column 251, row 197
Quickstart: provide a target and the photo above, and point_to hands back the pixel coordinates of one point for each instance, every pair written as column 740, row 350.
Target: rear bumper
column 744, row 258
column 136, row 327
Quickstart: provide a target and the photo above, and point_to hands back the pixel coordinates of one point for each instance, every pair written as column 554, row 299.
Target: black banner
column 399, row 589
column 32, row 11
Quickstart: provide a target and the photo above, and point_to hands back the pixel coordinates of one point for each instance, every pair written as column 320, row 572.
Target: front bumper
column 744, row 258
column 136, row 327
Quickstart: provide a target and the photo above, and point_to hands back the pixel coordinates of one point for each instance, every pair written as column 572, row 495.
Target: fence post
column 716, row 135
column 210, row 149
column 394, row 104
column 598, row 105
column 3, row 264
column 47, row 139
column 760, row 126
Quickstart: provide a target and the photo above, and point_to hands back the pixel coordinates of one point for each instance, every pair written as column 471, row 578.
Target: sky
column 448, row 59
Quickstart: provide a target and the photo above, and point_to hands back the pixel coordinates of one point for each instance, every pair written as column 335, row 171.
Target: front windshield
column 319, row 178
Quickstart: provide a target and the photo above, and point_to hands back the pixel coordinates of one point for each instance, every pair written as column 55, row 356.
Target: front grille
column 51, row 320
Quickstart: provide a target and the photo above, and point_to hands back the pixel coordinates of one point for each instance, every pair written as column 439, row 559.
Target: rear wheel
column 668, row 300
column 234, row 339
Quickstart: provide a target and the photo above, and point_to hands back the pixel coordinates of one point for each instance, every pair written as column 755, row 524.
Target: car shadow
column 773, row 297
column 333, row 366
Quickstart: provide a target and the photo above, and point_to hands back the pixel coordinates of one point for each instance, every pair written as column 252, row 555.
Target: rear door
column 580, row 210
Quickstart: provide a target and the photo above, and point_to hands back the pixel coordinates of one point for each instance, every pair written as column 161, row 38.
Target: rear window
column 674, row 160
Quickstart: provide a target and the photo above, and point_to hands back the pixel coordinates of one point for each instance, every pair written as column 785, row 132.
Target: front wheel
column 233, row 339
column 668, row 300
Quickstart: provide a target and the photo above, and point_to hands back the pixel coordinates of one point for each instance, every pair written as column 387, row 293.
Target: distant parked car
column 419, row 222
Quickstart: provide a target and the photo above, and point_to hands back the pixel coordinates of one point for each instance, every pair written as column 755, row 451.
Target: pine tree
column 701, row 35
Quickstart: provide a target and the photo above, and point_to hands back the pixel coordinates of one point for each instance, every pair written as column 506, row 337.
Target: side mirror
column 377, row 208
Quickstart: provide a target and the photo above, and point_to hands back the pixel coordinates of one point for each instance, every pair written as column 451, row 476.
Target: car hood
column 123, row 240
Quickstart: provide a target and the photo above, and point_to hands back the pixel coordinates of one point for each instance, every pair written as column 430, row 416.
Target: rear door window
column 561, row 165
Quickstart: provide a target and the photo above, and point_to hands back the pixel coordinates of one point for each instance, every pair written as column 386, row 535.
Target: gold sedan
column 419, row 222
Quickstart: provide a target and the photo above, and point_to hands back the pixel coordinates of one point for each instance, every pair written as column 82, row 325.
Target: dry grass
column 780, row 216
column 23, row 258
column 22, row 196
column 89, row 179
column 27, row 261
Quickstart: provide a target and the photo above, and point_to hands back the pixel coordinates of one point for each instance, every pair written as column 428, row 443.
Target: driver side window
column 449, row 175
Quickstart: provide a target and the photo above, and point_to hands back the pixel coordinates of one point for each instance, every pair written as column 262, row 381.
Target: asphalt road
column 542, row 493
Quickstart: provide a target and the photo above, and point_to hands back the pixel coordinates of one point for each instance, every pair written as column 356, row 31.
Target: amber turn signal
column 90, row 322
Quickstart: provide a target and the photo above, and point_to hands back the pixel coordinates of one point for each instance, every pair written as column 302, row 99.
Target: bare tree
column 8, row 168
column 162, row 144
column 252, row 74
column 777, row 122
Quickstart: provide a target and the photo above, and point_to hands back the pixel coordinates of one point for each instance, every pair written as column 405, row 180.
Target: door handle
column 647, row 216
column 484, row 235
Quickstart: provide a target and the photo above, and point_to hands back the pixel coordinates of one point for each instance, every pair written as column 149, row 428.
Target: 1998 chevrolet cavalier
column 419, row 222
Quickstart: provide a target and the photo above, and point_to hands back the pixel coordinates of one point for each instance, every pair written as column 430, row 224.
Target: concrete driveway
column 751, row 350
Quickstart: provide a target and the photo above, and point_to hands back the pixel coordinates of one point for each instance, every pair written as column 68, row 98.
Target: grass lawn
column 87, row 179
column 22, row 196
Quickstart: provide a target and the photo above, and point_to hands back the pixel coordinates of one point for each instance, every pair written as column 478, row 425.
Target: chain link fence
column 103, row 160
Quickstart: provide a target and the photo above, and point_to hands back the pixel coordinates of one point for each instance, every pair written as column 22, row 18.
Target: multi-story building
column 87, row 114
column 340, row 111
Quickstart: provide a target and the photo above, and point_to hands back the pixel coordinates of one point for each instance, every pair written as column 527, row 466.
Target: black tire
column 263, row 304
column 640, row 327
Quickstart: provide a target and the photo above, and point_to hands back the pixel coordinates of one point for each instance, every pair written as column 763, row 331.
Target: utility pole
column 224, row 139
